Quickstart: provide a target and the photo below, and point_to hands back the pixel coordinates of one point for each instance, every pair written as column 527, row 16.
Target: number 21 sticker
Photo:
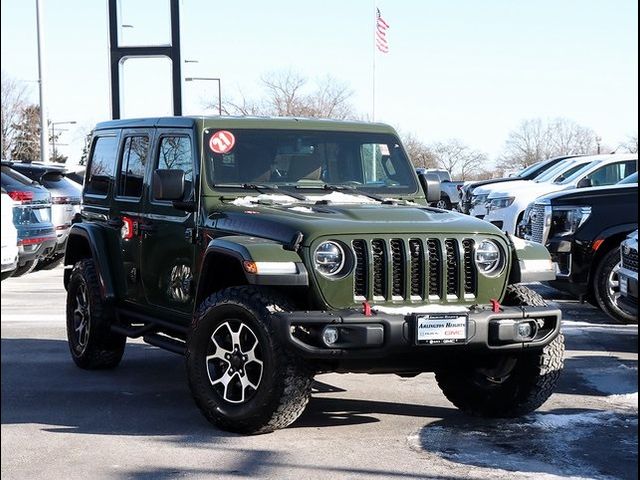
column 222, row 141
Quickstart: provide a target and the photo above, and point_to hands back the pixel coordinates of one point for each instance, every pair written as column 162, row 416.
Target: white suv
column 9, row 237
column 506, row 206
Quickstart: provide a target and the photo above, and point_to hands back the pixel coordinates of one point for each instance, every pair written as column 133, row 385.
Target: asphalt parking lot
column 139, row 421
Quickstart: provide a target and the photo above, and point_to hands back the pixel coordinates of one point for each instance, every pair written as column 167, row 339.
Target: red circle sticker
column 222, row 141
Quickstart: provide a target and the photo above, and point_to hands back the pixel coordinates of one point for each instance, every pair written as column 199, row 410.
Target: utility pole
column 44, row 143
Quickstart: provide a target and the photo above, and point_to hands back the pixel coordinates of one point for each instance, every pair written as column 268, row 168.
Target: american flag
column 381, row 33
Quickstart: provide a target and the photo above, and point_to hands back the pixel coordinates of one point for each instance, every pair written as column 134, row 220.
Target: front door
column 167, row 233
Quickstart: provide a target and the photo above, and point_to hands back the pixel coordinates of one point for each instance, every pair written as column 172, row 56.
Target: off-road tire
column 604, row 300
column 49, row 263
column 6, row 275
column 26, row 268
column 527, row 386
column 103, row 349
column 285, row 385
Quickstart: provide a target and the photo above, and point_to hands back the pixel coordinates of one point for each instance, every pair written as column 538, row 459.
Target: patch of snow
column 302, row 209
column 552, row 421
column 629, row 400
column 335, row 197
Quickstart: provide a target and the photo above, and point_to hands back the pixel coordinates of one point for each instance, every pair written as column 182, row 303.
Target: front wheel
column 444, row 203
column 241, row 376
column 507, row 385
column 606, row 288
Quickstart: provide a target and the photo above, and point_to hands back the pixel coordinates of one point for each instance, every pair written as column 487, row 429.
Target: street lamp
column 53, row 134
column 194, row 79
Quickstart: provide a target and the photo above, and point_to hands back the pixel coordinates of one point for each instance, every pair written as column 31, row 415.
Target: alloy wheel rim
column 613, row 284
column 234, row 361
column 81, row 317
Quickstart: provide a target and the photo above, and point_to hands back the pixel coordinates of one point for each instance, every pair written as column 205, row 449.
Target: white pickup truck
column 449, row 190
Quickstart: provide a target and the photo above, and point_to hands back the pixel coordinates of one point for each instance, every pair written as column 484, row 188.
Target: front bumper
column 504, row 218
column 382, row 336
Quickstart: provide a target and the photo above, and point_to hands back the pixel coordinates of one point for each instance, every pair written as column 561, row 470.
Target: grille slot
column 397, row 268
column 452, row 266
column 469, row 267
column 630, row 259
column 416, row 250
column 360, row 283
column 435, row 262
column 379, row 254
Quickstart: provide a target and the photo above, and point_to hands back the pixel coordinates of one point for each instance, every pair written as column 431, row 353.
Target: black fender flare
column 90, row 241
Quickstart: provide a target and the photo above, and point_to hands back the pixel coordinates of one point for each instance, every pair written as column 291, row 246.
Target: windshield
column 570, row 175
column 633, row 178
column 307, row 160
column 557, row 170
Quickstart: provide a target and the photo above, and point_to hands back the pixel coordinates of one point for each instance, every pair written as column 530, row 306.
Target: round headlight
column 488, row 257
column 329, row 258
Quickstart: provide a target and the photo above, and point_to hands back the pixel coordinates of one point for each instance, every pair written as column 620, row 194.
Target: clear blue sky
column 463, row 69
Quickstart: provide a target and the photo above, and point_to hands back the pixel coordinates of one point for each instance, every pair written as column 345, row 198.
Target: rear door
column 127, row 204
column 167, row 233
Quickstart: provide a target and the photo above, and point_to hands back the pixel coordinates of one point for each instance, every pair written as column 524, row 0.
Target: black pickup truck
column 583, row 229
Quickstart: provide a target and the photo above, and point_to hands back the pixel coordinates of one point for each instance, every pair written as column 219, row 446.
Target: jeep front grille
column 630, row 259
column 414, row 269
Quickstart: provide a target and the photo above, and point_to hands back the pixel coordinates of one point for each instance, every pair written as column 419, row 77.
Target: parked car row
column 40, row 205
column 581, row 208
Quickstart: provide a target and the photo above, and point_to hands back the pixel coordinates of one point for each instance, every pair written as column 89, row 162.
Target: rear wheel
column 444, row 203
column 91, row 342
column 241, row 376
column 506, row 385
column 606, row 288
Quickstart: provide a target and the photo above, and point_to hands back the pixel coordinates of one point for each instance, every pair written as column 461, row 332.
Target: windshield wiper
column 346, row 188
column 262, row 189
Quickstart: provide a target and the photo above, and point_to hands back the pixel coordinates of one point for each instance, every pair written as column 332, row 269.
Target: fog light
column 330, row 336
column 526, row 330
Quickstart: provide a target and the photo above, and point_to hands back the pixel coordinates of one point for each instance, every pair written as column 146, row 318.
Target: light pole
column 44, row 144
column 598, row 140
column 194, row 79
column 53, row 134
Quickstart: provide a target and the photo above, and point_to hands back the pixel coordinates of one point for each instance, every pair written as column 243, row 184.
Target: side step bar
column 152, row 330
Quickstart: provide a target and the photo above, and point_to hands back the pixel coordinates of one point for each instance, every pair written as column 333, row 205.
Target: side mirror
column 168, row 184
column 585, row 182
column 431, row 186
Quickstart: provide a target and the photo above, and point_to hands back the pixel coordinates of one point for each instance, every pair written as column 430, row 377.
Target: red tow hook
column 495, row 305
column 366, row 309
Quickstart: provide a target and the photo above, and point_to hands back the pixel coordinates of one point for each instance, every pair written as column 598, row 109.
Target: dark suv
column 65, row 203
column 268, row 250
column 583, row 229
column 32, row 218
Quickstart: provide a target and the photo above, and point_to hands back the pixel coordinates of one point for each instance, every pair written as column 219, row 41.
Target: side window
column 132, row 166
column 175, row 154
column 102, row 165
column 610, row 174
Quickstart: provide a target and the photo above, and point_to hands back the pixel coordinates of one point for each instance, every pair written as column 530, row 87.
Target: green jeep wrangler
column 268, row 250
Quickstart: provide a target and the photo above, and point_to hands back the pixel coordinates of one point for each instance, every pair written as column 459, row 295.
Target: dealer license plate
column 441, row 329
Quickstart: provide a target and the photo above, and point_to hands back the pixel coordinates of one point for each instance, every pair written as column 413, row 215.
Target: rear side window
column 132, row 166
column 12, row 180
column 102, row 166
column 175, row 153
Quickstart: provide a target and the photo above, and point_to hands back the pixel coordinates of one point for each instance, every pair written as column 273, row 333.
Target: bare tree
column 419, row 153
column 536, row 140
column 629, row 145
column 458, row 159
column 13, row 98
column 289, row 94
